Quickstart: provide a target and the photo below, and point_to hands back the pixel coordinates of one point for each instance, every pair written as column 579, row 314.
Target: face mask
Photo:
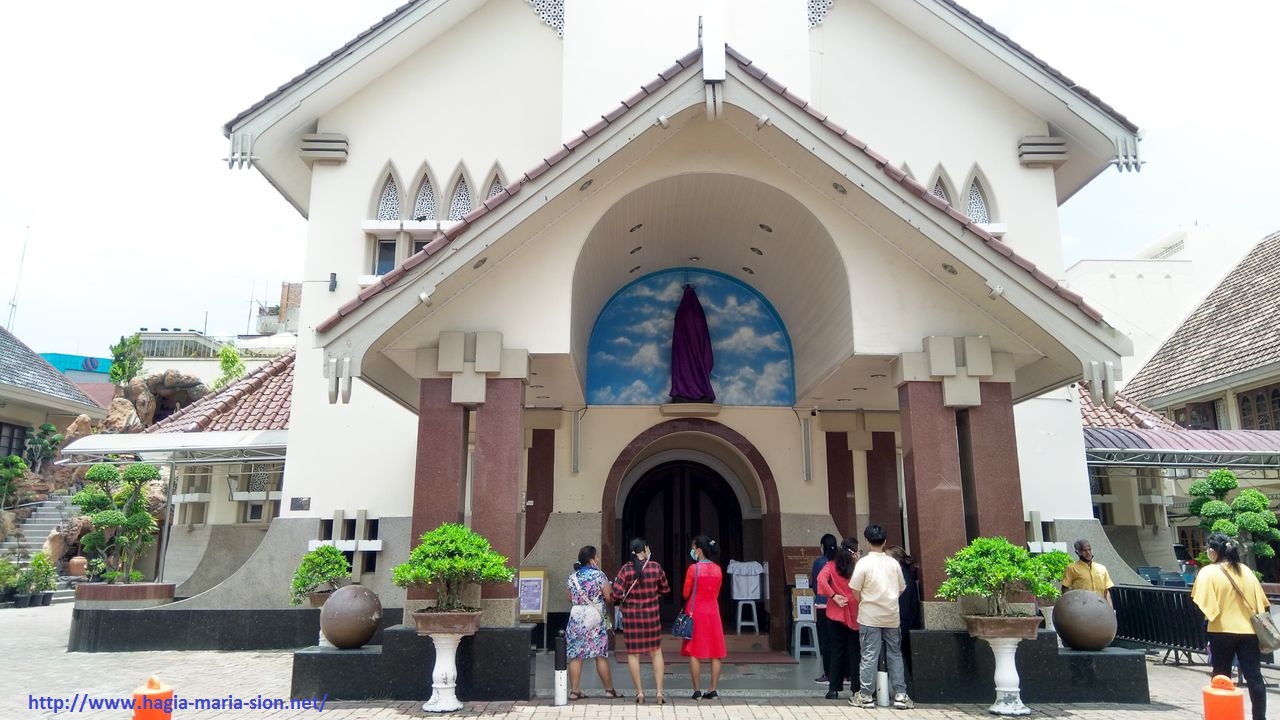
column 693, row 554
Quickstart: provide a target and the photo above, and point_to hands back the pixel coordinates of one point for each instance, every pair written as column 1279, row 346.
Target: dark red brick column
column 440, row 472
column 931, row 465
column 495, row 486
column 840, row 482
column 882, row 486
column 540, row 486
column 997, row 486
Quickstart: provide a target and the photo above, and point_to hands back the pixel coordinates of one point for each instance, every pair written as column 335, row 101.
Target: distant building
column 90, row 374
column 33, row 392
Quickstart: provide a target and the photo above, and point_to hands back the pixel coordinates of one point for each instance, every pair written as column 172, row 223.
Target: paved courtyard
column 38, row 671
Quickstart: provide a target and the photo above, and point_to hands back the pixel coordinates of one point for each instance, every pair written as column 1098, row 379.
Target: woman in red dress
column 637, row 589
column 704, row 606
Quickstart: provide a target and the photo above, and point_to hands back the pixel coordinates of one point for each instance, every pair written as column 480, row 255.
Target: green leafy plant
column 95, row 568
column 122, row 524
column 321, row 570
column 453, row 556
column 26, row 582
column 126, row 359
column 12, row 469
column 231, row 364
column 995, row 569
column 42, row 444
column 1248, row 518
column 44, row 577
column 8, row 574
column 111, row 576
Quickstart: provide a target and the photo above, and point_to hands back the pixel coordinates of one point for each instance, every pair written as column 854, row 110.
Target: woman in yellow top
column 1230, row 632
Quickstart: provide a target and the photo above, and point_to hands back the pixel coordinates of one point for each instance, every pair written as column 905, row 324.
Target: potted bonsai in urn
column 450, row 558
column 996, row 569
column 319, row 573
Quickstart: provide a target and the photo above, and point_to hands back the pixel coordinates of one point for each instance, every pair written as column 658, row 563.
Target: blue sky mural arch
column 629, row 354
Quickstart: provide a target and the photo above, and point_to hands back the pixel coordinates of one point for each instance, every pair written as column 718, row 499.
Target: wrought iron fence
column 1159, row 617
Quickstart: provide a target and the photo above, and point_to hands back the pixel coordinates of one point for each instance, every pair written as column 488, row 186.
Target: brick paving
column 34, row 641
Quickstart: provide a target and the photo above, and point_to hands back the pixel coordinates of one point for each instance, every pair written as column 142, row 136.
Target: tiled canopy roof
column 1233, row 330
column 257, row 401
column 22, row 367
column 681, row 64
column 1124, row 414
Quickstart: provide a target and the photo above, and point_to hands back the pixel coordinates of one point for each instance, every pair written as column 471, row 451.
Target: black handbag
column 683, row 625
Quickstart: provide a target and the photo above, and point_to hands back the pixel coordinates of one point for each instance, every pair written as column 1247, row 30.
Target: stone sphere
column 350, row 616
column 1083, row 620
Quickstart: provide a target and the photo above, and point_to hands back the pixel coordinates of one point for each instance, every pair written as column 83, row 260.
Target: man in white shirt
column 877, row 582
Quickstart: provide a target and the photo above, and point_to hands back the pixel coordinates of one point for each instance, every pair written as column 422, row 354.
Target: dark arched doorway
column 668, row 506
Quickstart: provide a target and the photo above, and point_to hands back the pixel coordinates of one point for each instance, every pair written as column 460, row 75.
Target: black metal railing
column 1159, row 617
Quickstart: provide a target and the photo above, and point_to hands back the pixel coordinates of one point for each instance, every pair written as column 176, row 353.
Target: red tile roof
column 257, row 401
column 1235, row 329
column 613, row 115
column 1125, row 413
column 100, row 392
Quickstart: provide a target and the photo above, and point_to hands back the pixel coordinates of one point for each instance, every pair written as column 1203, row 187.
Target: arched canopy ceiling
column 735, row 225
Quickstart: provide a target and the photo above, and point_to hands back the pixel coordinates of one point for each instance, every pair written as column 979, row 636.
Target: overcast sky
column 113, row 115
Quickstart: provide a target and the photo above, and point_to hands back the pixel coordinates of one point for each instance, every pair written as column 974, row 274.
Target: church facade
column 514, row 199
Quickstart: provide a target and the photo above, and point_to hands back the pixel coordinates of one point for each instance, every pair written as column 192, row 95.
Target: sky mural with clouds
column 630, row 348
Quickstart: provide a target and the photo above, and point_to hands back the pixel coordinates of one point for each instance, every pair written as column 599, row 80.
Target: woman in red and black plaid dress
column 637, row 589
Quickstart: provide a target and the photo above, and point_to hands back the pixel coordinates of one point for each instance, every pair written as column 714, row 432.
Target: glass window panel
column 385, row 259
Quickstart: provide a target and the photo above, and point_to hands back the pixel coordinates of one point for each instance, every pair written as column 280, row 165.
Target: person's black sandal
column 711, row 695
column 697, row 694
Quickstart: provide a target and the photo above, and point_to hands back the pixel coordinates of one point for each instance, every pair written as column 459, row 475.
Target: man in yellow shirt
column 1085, row 574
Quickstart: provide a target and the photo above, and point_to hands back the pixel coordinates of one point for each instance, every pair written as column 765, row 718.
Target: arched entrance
column 669, row 505
column 757, row 481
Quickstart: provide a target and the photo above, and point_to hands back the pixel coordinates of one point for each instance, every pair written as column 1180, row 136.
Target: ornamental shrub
column 1248, row 518
column 323, row 569
column 115, row 503
column 995, row 568
column 454, row 556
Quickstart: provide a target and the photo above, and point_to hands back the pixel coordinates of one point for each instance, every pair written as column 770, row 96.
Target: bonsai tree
column 42, row 444
column 12, row 468
column 1247, row 518
column 122, row 523
column 321, row 570
column 455, row 557
column 995, row 569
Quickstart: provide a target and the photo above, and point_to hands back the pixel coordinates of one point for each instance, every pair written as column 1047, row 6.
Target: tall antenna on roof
column 13, row 303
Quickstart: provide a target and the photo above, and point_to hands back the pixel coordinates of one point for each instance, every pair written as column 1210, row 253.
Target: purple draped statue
column 691, row 354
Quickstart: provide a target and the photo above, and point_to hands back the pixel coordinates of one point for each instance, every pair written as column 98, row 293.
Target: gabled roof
column 1048, row 69
column 1235, row 330
column 622, row 111
column 1125, row 414
column 23, row 369
column 257, row 401
column 295, row 95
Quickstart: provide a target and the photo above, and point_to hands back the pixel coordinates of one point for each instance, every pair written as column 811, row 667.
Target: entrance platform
column 35, row 639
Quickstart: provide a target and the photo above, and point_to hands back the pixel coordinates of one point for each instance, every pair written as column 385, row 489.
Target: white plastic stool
column 745, row 623
column 797, row 647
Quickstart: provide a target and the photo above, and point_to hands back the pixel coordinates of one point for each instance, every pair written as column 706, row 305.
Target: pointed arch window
column 424, row 205
column 940, row 189
column 460, row 205
column 977, row 204
column 389, row 201
column 496, row 187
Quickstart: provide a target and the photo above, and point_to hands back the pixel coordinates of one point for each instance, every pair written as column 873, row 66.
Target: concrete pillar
column 882, row 485
column 840, row 482
column 931, row 464
column 540, row 486
column 495, row 491
column 440, row 474
column 997, row 488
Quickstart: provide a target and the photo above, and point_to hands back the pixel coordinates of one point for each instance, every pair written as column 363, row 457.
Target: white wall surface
column 1055, row 480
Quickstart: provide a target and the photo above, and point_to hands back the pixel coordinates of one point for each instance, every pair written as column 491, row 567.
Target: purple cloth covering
column 691, row 354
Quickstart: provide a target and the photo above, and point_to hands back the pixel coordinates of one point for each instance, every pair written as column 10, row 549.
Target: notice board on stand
column 797, row 560
column 532, row 589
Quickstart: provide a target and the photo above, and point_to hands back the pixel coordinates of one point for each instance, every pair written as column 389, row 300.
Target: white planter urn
column 446, row 630
column 1003, row 633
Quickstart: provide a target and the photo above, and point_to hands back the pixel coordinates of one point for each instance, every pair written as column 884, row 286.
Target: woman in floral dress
column 587, row 634
column 638, row 587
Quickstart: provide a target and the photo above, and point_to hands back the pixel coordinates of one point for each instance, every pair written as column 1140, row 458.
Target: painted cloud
column 630, row 350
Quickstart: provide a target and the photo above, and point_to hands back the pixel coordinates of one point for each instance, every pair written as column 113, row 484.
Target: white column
column 444, row 677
